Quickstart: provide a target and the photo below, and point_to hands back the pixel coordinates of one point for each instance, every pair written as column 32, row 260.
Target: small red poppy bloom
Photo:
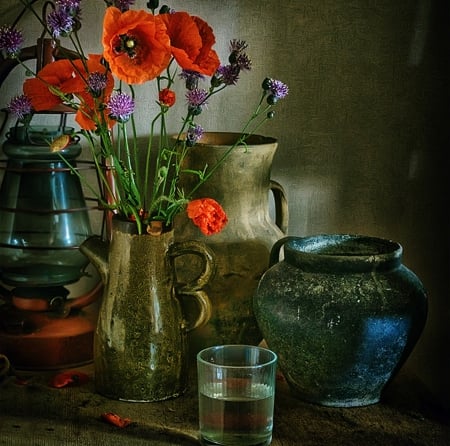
column 191, row 40
column 207, row 214
column 135, row 44
column 167, row 97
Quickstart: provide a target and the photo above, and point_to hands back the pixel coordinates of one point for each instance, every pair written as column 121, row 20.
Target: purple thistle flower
column 68, row 5
column 238, row 56
column 243, row 62
column 11, row 41
column 191, row 78
column 20, row 107
column 228, row 74
column 277, row 88
column 194, row 133
column 60, row 22
column 197, row 97
column 120, row 106
column 96, row 83
column 237, row 46
column 123, row 5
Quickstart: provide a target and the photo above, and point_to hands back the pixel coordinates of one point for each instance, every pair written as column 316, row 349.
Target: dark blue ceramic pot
column 342, row 312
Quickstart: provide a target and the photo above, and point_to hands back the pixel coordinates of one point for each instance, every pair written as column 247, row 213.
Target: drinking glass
column 236, row 388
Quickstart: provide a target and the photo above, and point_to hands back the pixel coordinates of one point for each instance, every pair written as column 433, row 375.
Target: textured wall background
column 363, row 136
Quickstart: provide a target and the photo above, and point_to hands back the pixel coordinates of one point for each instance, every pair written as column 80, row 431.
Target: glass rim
column 273, row 356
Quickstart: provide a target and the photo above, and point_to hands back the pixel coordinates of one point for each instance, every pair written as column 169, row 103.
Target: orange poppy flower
column 135, row 44
column 89, row 114
column 70, row 77
column 191, row 41
column 207, row 214
column 37, row 89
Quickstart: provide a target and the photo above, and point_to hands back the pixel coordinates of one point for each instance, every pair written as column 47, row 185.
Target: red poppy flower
column 90, row 113
column 69, row 77
column 191, row 40
column 135, row 44
column 54, row 74
column 207, row 214
column 167, row 97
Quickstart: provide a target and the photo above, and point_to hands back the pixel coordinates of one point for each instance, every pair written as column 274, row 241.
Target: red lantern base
column 36, row 337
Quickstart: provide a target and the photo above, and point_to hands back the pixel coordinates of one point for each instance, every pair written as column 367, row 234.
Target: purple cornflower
column 120, row 106
column 196, row 100
column 96, row 83
column 20, row 107
column 123, row 5
column 11, row 40
column 60, row 22
column 191, row 78
column 228, row 74
column 277, row 88
column 68, row 5
column 243, row 62
column 238, row 56
column 238, row 60
column 194, row 133
column 237, row 46
column 65, row 18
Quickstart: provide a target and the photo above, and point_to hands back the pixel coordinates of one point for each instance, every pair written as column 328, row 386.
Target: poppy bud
column 195, row 110
column 152, row 4
column 164, row 9
column 266, row 84
column 215, row 81
column 271, row 114
column 232, row 58
column 272, row 99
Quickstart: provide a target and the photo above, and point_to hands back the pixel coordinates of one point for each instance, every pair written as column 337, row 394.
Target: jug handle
column 281, row 206
column 276, row 248
column 194, row 287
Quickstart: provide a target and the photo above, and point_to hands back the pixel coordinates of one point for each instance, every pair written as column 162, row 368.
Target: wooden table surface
column 36, row 414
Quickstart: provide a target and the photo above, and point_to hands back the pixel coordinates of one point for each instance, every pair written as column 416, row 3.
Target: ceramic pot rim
column 226, row 139
column 343, row 251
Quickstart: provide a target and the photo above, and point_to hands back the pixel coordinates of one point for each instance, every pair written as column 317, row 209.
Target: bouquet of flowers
column 139, row 46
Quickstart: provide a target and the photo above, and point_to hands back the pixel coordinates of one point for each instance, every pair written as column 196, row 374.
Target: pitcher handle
column 194, row 287
column 276, row 248
column 281, row 206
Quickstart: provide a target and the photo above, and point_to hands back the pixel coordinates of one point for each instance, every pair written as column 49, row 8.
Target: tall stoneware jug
column 140, row 351
column 342, row 312
column 242, row 185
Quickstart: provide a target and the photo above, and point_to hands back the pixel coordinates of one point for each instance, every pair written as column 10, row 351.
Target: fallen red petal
column 115, row 419
column 65, row 379
column 21, row 381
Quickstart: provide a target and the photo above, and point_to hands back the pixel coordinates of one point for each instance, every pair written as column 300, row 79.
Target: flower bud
column 215, row 81
column 272, row 99
column 195, row 110
column 271, row 114
column 266, row 84
column 232, row 58
column 164, row 9
column 152, row 4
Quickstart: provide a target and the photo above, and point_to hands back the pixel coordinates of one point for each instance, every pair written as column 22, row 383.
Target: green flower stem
column 240, row 141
